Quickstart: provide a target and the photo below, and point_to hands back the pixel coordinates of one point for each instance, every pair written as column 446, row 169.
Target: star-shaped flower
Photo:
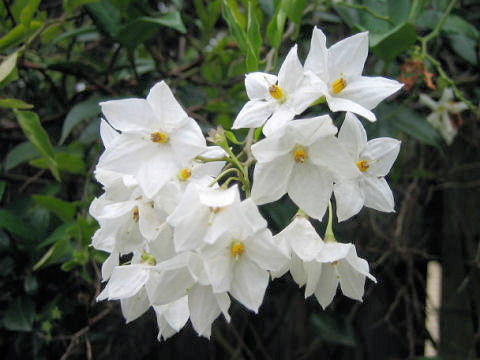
column 340, row 70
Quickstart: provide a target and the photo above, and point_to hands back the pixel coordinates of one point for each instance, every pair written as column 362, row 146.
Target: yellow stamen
column 136, row 214
column 338, row 85
column 159, row 137
column 237, row 249
column 275, row 91
column 335, row 263
column 363, row 165
column 215, row 210
column 300, row 155
column 184, row 174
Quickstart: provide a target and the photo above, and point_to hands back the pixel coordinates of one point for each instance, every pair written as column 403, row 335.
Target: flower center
column 363, row 165
column 148, row 259
column 338, row 85
column 276, row 92
column 136, row 214
column 237, row 249
column 159, row 137
column 299, row 154
column 184, row 174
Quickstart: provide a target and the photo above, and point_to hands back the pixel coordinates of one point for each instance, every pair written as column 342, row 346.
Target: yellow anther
column 214, row 210
column 335, row 263
column 136, row 214
column 299, row 155
column 275, row 91
column 148, row 259
column 338, row 85
column 159, row 137
column 184, row 174
column 363, row 165
column 237, row 249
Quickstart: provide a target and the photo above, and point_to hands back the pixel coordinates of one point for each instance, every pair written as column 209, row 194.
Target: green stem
column 368, row 10
column 434, row 33
column 236, row 162
column 207, row 160
column 223, row 173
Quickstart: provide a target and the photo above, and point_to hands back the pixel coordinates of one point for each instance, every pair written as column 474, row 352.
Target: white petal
column 272, row 147
column 291, row 72
column 353, row 135
column 109, row 264
column 428, row 101
column 304, row 240
column 337, row 103
column 317, row 56
column 129, row 115
column 447, row 96
column 188, row 141
column 310, row 188
column 107, row 133
column 347, row 57
column 218, row 197
column 352, row 282
column 381, row 154
column 203, row 309
column 327, row 285
column 253, row 114
column 126, row 281
column 150, row 220
column 262, row 250
column 270, row 179
column 349, row 199
column 135, row 306
column 297, row 270
column 313, row 271
column 249, row 284
column 219, row 270
column 276, row 123
column 223, row 301
column 378, row 195
column 333, row 251
column 370, row 91
column 177, row 281
column 167, row 109
column 177, row 313
column 257, row 85
column 307, row 92
column 308, row 131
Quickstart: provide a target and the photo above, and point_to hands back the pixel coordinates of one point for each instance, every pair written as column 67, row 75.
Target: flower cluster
column 180, row 219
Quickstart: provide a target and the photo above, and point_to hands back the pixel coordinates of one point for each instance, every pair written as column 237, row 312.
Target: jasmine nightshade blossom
column 301, row 161
column 374, row 159
column 340, row 70
column 276, row 100
column 440, row 118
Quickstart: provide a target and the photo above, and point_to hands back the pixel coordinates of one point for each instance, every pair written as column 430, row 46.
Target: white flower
column 157, row 138
column 374, row 159
column 276, row 100
column 239, row 261
column 302, row 243
column 340, row 69
column 172, row 317
column 336, row 263
column 301, row 161
column 441, row 111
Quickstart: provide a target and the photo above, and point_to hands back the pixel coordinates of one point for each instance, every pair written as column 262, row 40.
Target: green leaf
column 70, row 5
column 56, row 252
column 18, row 34
column 254, row 39
column 234, row 21
column 2, row 188
column 276, row 25
column 7, row 65
column 333, row 329
column 106, row 16
column 15, row 226
column 63, row 209
column 80, row 112
column 62, row 232
column 19, row 154
column 28, row 11
column 464, row 47
column 391, row 44
column 31, row 126
column 294, row 10
column 74, row 32
column 30, row 285
column 68, row 162
column 231, row 136
column 144, row 28
column 19, row 315
column 398, row 11
column 11, row 103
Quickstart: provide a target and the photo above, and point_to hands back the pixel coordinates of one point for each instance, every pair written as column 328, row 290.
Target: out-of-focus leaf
column 15, row 226
column 19, row 315
column 14, row 104
column 234, row 24
column 30, row 285
column 231, row 136
column 398, row 11
column 416, row 10
column 333, row 329
column 294, row 10
column 391, row 44
column 56, row 252
column 37, row 135
column 4, row 241
column 19, row 154
column 28, row 11
column 106, row 16
column 80, row 112
column 64, row 231
column 74, row 32
column 2, row 188
column 464, row 47
column 144, row 28
column 63, row 209
column 254, row 39
column 68, row 162
column 7, row 65
column 276, row 25
column 70, row 5
column 453, row 24
column 18, row 34
column 91, row 133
